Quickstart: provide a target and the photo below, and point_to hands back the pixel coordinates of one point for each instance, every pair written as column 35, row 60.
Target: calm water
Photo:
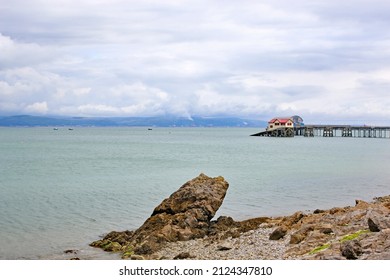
column 62, row 189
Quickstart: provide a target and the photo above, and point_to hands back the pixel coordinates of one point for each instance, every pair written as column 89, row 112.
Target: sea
column 61, row 189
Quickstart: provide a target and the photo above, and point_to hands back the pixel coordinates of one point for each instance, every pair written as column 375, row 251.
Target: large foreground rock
column 185, row 215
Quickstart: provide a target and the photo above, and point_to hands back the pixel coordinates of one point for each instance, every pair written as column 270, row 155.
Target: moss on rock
column 354, row 235
column 319, row 249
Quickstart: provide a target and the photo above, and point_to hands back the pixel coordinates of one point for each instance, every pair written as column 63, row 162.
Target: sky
column 325, row 60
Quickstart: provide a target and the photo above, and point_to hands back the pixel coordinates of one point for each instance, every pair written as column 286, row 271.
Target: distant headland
column 163, row 121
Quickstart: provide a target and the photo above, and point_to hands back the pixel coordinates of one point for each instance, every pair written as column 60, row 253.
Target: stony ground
column 359, row 232
column 251, row 245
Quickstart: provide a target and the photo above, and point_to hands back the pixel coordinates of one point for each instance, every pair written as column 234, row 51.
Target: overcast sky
column 327, row 60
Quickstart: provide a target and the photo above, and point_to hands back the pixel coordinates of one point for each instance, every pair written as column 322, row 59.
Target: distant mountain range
column 29, row 121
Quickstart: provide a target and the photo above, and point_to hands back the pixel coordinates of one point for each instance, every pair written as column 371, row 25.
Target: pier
column 329, row 131
column 294, row 126
column 344, row 131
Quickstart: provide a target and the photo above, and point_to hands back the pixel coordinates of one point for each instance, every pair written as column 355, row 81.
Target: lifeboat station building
column 280, row 123
column 284, row 126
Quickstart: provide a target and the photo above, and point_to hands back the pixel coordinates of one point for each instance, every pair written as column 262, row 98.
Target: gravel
column 252, row 245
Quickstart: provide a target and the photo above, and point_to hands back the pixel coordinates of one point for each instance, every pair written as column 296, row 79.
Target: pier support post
column 289, row 132
column 328, row 132
column 309, row 132
column 347, row 132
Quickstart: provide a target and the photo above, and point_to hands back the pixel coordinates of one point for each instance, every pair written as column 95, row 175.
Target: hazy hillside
column 26, row 120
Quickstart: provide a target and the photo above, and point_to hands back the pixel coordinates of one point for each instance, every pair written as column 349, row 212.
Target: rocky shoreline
column 359, row 232
column 181, row 227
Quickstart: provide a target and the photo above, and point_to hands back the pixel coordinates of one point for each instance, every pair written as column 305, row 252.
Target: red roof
column 281, row 120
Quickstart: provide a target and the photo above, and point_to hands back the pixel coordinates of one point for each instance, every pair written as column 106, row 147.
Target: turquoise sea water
column 62, row 189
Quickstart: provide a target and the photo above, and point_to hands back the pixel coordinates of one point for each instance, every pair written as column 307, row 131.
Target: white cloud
column 82, row 91
column 247, row 58
column 98, row 109
column 18, row 54
column 40, row 108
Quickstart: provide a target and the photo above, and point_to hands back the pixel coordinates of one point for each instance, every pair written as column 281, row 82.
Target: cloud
column 253, row 58
column 37, row 108
column 19, row 54
column 128, row 99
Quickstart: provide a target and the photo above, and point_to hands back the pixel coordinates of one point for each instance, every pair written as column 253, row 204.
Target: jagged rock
column 382, row 199
column 298, row 236
column 223, row 228
column 351, row 249
column 293, row 219
column 107, row 245
column 378, row 220
column 285, row 225
column 278, row 233
column 223, row 223
column 326, row 229
column 203, row 194
column 335, row 210
column 361, row 204
column 121, row 237
column 373, row 226
column 185, row 215
column 254, row 223
column 376, row 245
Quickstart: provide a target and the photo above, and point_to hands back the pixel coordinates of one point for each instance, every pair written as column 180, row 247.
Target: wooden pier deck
column 329, row 131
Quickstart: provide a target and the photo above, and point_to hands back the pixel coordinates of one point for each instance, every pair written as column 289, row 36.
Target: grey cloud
column 248, row 58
